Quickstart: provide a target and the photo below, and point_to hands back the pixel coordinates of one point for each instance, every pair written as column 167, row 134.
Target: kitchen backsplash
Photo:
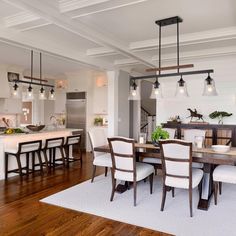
column 11, row 120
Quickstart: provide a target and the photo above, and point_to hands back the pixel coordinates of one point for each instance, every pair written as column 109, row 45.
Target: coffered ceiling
column 108, row 34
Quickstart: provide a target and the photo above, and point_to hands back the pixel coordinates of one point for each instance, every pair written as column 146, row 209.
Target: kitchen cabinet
column 100, row 100
column 5, row 85
column 60, row 102
column 10, row 106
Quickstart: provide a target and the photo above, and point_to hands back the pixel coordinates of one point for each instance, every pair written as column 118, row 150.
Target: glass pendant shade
column 52, row 94
column 42, row 95
column 134, row 93
column 181, row 89
column 156, row 90
column 15, row 91
column 30, row 94
column 209, row 87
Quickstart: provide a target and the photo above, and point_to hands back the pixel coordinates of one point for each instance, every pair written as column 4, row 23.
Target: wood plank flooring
column 21, row 213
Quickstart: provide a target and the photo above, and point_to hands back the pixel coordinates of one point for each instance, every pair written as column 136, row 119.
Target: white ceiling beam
column 101, row 51
column 19, row 18
column 126, row 62
column 186, row 39
column 114, row 5
column 71, row 5
column 51, row 14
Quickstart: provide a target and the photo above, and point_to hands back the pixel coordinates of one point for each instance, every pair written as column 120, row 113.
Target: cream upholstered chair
column 98, row 138
column 189, row 136
column 177, row 168
column 156, row 161
column 223, row 173
column 124, row 165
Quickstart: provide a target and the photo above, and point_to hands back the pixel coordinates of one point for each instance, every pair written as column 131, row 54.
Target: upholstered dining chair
column 155, row 161
column 225, row 174
column 98, row 138
column 189, row 136
column 124, row 165
column 177, row 168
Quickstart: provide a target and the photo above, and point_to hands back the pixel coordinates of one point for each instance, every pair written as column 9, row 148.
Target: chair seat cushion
column 152, row 160
column 225, row 173
column 197, row 165
column 103, row 160
column 143, row 170
column 197, row 175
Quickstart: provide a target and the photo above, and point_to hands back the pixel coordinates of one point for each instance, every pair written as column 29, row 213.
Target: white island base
column 11, row 141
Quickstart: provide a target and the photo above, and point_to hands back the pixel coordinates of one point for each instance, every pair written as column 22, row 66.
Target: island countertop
column 7, row 141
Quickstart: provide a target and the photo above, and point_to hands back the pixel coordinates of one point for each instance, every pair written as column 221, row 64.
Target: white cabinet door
column 11, row 106
column 60, row 102
column 100, row 100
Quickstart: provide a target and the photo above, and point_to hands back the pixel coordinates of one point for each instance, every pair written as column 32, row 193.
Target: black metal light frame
column 165, row 22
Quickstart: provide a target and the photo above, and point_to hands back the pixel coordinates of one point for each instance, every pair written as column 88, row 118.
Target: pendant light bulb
column 181, row 89
column 209, row 87
column 42, row 95
column 30, row 94
column 134, row 93
column 52, row 94
column 15, row 91
column 156, row 90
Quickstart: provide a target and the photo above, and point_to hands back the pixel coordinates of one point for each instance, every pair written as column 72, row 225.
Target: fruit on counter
column 13, row 131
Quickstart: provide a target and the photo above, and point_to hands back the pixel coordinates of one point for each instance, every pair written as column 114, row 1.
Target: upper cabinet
column 60, row 102
column 5, row 86
column 100, row 100
column 10, row 106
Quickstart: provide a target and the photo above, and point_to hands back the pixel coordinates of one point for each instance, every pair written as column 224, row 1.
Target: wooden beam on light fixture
column 37, row 79
column 170, row 67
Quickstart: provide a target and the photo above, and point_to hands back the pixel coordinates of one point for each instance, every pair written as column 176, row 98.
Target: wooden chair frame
column 67, row 149
column 114, row 168
column 18, row 159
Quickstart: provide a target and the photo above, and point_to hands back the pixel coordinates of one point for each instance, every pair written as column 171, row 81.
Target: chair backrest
column 54, row 142
column 30, row 146
column 97, row 137
column 189, row 134
column 176, row 159
column 123, row 155
column 73, row 139
column 171, row 132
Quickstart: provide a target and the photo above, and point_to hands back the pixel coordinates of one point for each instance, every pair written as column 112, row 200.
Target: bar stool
column 49, row 151
column 70, row 142
column 26, row 148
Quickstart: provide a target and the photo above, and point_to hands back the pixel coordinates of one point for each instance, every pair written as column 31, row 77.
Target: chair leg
column 151, row 182
column 94, row 171
column 40, row 161
column 191, row 202
column 6, row 165
column 220, row 188
column 46, row 160
column 19, row 164
column 215, row 191
column 27, row 164
column 173, row 191
column 135, row 192
column 113, row 188
column 163, row 197
column 106, row 171
column 62, row 156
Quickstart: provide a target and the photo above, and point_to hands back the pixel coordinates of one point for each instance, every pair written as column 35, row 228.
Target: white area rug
column 94, row 198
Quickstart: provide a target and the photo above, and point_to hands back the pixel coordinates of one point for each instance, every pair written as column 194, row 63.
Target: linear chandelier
column 42, row 83
column 181, row 87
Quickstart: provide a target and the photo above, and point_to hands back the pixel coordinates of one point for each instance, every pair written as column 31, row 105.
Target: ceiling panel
column 7, row 9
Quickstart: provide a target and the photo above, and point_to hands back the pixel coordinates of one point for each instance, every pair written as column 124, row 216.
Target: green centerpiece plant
column 219, row 115
column 159, row 133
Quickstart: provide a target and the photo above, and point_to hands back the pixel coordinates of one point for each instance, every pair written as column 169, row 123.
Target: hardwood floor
column 21, row 213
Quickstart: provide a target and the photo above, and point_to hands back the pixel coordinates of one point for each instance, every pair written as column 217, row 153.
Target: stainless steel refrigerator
column 76, row 113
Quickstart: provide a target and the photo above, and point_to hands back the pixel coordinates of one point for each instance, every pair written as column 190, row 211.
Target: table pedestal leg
column 207, row 187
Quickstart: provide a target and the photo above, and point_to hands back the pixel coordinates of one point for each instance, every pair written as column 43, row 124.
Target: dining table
column 207, row 156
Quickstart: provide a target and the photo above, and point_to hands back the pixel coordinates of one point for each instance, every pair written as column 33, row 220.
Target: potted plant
column 98, row 121
column 219, row 115
column 158, row 134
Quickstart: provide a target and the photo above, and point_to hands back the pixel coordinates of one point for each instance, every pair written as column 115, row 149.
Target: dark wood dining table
column 207, row 156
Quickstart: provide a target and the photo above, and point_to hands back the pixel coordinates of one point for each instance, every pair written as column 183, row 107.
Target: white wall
column 225, row 79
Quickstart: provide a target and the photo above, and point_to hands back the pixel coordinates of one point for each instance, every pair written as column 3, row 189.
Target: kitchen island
column 8, row 141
